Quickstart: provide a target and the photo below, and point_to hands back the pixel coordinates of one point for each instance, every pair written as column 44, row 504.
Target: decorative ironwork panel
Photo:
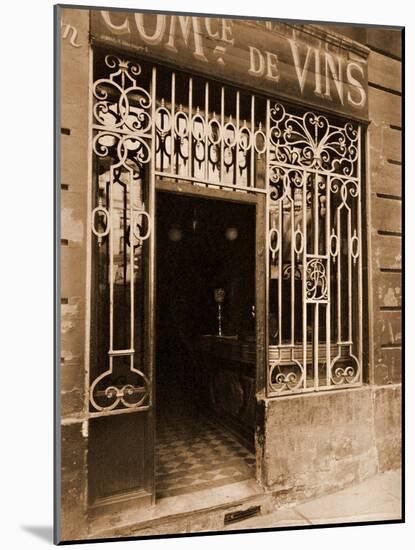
column 216, row 136
column 315, row 274
column 121, row 225
column 316, row 285
column 210, row 134
column 312, row 143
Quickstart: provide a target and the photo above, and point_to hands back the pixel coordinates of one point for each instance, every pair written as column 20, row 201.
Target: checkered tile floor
column 194, row 454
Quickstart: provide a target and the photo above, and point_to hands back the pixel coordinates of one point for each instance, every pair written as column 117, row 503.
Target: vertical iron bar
column 292, row 259
column 150, row 313
column 111, row 262
column 328, row 307
column 252, row 177
column 349, row 276
column 315, row 213
column 236, row 166
column 315, row 344
column 222, row 131
column 304, row 277
column 280, row 213
column 206, row 129
column 267, row 209
column 339, row 286
column 190, row 133
column 151, row 221
column 172, row 129
column 314, row 207
column 111, row 269
column 130, row 197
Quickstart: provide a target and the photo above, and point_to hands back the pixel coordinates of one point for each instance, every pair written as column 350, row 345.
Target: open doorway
column 205, row 348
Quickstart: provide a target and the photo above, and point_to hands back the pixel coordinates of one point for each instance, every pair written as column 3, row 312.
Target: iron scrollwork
column 316, row 280
column 314, row 249
column 310, row 141
column 286, row 376
column 122, row 126
column 313, row 194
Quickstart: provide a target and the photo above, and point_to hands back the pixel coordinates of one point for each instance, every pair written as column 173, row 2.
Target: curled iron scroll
column 100, row 209
column 137, row 226
column 274, row 241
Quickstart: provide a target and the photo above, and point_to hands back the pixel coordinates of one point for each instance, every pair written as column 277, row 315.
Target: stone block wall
column 73, row 145
column 384, row 215
column 322, row 442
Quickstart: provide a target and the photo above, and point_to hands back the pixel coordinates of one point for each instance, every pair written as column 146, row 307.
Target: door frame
column 259, row 200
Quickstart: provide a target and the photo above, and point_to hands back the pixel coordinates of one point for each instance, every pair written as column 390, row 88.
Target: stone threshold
column 190, row 513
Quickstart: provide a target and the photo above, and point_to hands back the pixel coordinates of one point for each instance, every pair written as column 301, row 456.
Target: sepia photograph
column 228, row 202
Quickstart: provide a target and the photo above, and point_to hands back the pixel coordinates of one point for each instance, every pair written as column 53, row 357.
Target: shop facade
column 267, row 155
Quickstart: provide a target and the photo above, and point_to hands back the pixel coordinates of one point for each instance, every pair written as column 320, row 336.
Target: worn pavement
column 377, row 498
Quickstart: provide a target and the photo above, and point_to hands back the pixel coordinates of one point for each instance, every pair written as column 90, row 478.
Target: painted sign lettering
column 276, row 59
column 70, row 32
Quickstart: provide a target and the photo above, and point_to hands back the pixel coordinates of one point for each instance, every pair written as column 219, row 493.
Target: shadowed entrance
column 202, row 441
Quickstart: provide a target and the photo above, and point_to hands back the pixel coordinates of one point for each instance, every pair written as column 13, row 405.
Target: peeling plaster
column 69, row 314
column 71, row 228
column 390, row 299
column 66, row 325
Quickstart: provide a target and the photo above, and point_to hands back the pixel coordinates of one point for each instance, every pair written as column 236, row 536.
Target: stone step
column 208, row 510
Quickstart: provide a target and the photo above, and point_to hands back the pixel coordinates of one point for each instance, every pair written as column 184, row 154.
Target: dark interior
column 198, row 252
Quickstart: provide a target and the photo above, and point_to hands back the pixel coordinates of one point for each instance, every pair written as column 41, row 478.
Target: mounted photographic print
column 228, row 245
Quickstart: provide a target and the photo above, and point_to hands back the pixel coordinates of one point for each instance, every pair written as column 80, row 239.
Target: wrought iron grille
column 210, row 134
column 151, row 123
column 315, row 284
column 123, row 146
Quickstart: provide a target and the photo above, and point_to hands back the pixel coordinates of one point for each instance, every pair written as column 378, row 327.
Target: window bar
column 172, row 121
column 293, row 237
column 339, row 287
column 280, row 248
column 111, row 256
column 151, row 240
column 316, row 305
column 267, row 224
column 237, row 144
column 190, row 132
column 329, row 259
column 124, row 241
column 304, row 287
column 359, row 259
column 349, row 274
column 222, row 131
column 315, row 213
column 252, row 167
column 315, row 343
column 130, row 197
column 206, row 132
column 111, row 266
